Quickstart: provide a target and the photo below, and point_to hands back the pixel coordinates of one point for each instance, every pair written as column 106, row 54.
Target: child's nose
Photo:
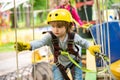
column 56, row 29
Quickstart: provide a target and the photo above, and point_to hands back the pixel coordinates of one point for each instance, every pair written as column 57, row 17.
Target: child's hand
column 93, row 49
column 20, row 46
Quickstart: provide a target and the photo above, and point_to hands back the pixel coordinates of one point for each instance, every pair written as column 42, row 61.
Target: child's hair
column 68, row 25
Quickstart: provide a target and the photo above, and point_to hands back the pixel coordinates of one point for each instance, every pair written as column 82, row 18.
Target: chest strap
column 56, row 47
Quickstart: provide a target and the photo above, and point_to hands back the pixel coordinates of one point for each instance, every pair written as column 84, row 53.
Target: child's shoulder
column 72, row 34
column 75, row 34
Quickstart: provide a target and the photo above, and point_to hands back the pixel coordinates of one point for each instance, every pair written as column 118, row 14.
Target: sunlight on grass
column 8, row 47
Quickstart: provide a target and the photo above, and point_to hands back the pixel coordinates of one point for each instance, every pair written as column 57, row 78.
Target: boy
column 59, row 39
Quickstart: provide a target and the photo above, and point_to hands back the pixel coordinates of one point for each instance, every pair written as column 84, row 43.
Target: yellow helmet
column 59, row 15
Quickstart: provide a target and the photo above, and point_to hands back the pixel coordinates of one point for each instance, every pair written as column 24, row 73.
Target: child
column 59, row 39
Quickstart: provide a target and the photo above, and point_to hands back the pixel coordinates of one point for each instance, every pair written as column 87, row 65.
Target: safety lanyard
column 83, row 68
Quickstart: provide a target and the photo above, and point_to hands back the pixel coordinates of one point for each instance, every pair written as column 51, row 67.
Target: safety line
column 15, row 25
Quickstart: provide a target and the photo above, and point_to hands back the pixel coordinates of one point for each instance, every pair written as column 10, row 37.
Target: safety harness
column 70, row 50
column 57, row 51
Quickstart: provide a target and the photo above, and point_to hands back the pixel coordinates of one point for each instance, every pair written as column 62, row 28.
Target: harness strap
column 71, row 43
column 55, row 42
column 63, row 71
column 57, row 52
column 70, row 49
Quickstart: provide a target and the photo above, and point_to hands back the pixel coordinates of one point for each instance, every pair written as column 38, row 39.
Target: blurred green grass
column 8, row 47
column 25, row 34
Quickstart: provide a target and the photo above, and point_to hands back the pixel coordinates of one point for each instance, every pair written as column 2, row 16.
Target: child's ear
column 72, row 23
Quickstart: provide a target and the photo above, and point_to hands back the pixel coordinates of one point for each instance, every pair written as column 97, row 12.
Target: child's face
column 58, row 30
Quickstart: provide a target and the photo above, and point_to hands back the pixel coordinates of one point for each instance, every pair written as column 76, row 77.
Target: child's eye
column 56, row 26
column 60, row 26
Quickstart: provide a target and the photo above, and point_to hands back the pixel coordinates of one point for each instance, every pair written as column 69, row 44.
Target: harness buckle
column 55, row 41
column 71, row 41
column 57, row 63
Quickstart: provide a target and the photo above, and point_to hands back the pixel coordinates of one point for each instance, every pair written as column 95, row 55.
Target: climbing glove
column 87, row 25
column 94, row 49
column 20, row 46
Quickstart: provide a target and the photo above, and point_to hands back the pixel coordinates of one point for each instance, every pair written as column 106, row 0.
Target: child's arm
column 46, row 40
column 86, row 44
column 20, row 46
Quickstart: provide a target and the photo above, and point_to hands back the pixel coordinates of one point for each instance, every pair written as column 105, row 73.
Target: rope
column 103, row 57
column 33, row 19
column 103, row 38
column 108, row 36
column 75, row 63
column 33, row 29
column 103, row 45
column 15, row 22
column 86, row 12
column 107, row 67
column 100, row 31
column 104, row 49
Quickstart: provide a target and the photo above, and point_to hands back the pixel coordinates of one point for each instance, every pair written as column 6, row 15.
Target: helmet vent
column 50, row 15
column 56, row 14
